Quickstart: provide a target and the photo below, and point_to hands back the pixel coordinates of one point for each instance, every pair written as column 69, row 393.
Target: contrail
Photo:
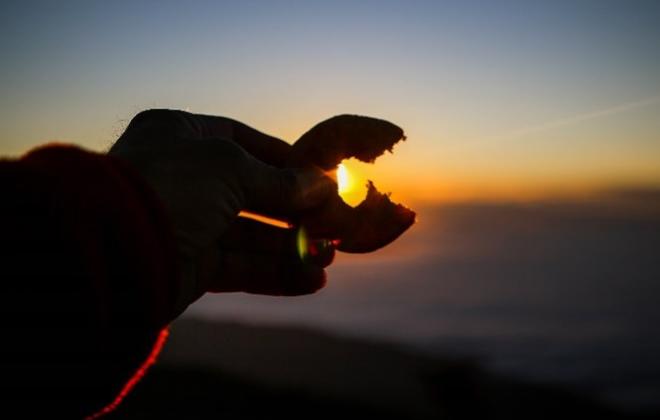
column 579, row 118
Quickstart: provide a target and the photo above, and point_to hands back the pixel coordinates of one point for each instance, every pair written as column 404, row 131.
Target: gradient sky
column 506, row 99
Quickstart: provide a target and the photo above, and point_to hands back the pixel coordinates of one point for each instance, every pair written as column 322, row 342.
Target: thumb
column 276, row 191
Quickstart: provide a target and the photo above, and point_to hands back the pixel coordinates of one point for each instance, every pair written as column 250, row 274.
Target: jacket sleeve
column 89, row 281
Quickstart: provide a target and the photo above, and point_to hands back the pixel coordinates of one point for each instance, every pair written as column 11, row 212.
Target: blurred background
column 530, row 282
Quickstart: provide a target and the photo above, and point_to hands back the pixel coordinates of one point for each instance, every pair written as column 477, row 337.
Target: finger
column 255, row 237
column 249, row 236
column 263, row 274
column 272, row 191
column 264, row 147
column 333, row 219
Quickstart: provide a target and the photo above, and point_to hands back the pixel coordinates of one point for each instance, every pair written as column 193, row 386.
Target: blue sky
column 482, row 88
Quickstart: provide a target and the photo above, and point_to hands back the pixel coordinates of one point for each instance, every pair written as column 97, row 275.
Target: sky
column 508, row 99
column 500, row 100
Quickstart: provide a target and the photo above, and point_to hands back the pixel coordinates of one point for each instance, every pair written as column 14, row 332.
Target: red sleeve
column 89, row 280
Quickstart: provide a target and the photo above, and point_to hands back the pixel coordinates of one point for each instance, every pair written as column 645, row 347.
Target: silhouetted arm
column 101, row 252
column 88, row 280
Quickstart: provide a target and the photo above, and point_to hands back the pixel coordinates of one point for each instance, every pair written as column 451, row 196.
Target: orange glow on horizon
column 414, row 184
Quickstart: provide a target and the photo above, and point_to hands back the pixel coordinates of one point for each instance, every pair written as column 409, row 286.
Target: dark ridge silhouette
column 228, row 370
column 559, row 291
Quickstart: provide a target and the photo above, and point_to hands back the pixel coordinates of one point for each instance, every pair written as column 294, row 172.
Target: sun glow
column 343, row 179
column 351, row 182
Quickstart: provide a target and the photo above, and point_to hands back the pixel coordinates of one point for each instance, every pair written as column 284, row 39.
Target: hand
column 204, row 182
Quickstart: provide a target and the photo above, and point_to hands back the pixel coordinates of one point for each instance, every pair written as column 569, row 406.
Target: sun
column 343, row 179
column 351, row 183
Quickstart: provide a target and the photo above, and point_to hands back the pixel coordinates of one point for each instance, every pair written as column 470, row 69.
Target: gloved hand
column 204, row 183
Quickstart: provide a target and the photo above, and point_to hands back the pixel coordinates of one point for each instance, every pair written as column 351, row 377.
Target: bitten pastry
column 376, row 221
